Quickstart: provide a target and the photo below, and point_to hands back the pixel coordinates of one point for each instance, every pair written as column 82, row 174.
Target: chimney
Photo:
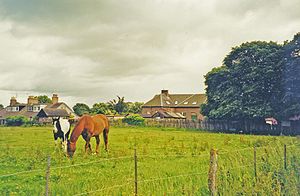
column 32, row 100
column 54, row 99
column 13, row 101
column 165, row 92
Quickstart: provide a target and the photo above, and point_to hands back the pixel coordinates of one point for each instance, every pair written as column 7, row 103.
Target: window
column 30, row 108
column 185, row 103
column 183, row 113
column 168, row 102
column 194, row 103
column 194, row 116
column 176, row 102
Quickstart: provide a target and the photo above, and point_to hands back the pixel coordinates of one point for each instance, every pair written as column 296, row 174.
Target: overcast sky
column 91, row 51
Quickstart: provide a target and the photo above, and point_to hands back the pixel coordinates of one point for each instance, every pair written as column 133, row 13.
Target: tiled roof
column 4, row 113
column 176, row 100
column 168, row 114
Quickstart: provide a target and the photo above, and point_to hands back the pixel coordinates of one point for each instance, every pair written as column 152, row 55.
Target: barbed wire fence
column 211, row 174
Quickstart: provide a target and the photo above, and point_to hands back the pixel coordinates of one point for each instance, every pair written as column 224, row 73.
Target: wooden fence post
column 212, row 174
column 47, row 176
column 254, row 157
column 284, row 154
column 135, row 174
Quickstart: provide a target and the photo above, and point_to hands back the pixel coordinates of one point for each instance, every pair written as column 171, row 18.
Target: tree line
column 256, row 80
column 113, row 107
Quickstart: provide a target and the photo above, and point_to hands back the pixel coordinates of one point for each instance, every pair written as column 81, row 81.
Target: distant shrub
column 134, row 119
column 17, row 120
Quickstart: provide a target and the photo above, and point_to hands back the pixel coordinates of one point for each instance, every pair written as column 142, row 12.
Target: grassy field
column 170, row 162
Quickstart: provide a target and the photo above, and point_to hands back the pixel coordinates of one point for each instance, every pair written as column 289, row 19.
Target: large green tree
column 81, row 108
column 1, row 106
column 135, row 108
column 44, row 99
column 120, row 106
column 291, row 78
column 248, row 85
column 100, row 108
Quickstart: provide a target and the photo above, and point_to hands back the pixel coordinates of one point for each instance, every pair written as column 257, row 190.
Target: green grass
column 170, row 162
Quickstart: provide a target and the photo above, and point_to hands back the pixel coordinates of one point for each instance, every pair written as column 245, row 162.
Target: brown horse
column 89, row 126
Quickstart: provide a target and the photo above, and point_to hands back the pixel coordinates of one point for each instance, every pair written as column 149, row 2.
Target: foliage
column 1, row 106
column 100, row 108
column 162, row 153
column 44, row 99
column 291, row 77
column 81, row 108
column 135, row 108
column 248, row 84
column 118, row 105
column 134, row 119
column 16, row 120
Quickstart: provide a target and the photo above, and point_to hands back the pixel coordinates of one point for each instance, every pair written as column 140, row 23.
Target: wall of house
column 187, row 111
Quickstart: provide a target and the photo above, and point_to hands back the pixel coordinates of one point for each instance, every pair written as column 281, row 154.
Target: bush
column 134, row 119
column 16, row 120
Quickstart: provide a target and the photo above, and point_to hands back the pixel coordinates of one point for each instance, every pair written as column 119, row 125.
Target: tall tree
column 44, row 99
column 118, row 105
column 1, row 106
column 251, row 83
column 291, row 78
column 81, row 108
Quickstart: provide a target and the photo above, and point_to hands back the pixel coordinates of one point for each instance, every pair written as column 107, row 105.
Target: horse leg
column 97, row 143
column 88, row 145
column 105, row 136
column 87, row 139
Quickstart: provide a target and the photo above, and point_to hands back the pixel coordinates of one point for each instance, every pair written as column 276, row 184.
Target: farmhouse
column 177, row 106
column 33, row 107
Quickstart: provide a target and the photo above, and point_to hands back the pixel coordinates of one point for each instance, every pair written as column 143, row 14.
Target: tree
column 248, row 85
column 16, row 120
column 135, row 108
column 100, row 108
column 1, row 106
column 119, row 106
column 134, row 119
column 81, row 108
column 291, row 78
column 44, row 99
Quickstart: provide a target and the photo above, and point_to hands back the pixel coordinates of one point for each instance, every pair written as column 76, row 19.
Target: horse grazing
column 89, row 126
column 61, row 129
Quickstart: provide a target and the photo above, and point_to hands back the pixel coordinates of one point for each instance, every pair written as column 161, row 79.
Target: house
column 33, row 107
column 174, row 106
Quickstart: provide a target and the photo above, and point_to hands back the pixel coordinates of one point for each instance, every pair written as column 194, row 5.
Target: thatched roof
column 50, row 112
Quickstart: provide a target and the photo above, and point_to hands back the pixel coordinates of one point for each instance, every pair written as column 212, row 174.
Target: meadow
column 170, row 162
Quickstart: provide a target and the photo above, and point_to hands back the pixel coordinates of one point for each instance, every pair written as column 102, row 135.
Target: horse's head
column 71, row 147
column 55, row 125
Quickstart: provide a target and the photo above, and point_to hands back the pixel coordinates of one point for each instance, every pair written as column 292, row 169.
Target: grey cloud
column 94, row 50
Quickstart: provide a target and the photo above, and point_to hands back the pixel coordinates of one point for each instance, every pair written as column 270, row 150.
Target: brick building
column 186, row 105
column 32, row 108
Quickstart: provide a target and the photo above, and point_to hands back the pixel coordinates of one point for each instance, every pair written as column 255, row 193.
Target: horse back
column 101, row 123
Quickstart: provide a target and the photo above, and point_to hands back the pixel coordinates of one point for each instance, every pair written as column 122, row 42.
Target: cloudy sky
column 90, row 51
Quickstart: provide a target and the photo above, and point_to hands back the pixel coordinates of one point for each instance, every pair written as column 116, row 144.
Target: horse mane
column 79, row 127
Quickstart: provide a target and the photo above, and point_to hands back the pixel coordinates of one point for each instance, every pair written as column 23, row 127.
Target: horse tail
column 105, row 132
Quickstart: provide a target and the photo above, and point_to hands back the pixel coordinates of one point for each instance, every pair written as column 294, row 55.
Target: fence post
column 212, row 174
column 284, row 153
column 135, row 174
column 47, row 176
column 254, row 157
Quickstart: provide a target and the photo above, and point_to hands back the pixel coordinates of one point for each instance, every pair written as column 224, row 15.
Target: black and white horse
column 61, row 129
